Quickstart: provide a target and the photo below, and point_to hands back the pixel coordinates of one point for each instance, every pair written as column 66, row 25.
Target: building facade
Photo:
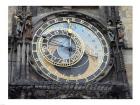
column 113, row 26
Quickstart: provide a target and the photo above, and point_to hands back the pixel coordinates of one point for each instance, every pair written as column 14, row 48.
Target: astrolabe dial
column 61, row 48
column 69, row 49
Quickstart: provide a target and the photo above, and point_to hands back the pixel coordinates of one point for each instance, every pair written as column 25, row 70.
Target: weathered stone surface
column 126, row 18
column 11, row 12
column 128, row 64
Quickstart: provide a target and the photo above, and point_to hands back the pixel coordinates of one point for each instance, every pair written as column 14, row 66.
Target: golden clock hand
column 92, row 55
column 56, row 41
column 53, row 40
column 86, row 52
column 60, row 45
column 69, row 48
column 69, row 32
column 89, row 52
column 69, row 26
column 56, row 44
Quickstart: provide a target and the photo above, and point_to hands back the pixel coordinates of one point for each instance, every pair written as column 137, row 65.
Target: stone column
column 11, row 12
column 18, row 61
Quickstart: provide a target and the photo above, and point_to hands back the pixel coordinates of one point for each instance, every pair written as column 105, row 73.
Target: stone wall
column 126, row 14
column 11, row 12
column 126, row 18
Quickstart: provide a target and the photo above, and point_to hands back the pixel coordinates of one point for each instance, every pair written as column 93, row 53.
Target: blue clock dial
column 70, row 49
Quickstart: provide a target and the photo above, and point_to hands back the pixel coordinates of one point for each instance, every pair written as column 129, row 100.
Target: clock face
column 61, row 48
column 69, row 49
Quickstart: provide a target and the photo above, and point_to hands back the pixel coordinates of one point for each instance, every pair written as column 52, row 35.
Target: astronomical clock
column 73, row 53
column 69, row 49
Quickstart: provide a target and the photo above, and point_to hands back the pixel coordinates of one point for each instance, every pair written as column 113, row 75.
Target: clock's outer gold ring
column 99, row 71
